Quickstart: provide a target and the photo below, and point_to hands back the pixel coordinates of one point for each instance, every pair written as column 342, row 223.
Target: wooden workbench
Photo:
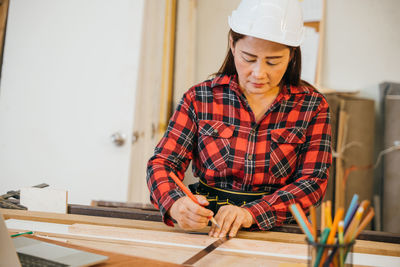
column 156, row 241
column 147, row 212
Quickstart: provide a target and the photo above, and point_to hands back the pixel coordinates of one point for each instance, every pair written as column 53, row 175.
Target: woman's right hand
column 189, row 215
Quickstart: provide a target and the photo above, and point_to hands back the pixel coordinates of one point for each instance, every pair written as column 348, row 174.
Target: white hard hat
column 280, row 21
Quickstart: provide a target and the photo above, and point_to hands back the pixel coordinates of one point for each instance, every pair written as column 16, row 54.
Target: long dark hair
column 291, row 76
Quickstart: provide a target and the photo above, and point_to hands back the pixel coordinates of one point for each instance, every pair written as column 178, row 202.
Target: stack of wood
column 353, row 138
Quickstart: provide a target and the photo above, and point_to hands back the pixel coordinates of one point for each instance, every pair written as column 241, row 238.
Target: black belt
column 219, row 197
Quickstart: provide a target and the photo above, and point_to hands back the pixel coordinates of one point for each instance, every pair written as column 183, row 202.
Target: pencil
column 365, row 204
column 328, row 214
column 341, row 242
column 366, row 221
column 189, row 194
column 324, row 237
column 314, row 222
column 338, row 218
column 350, row 211
column 304, row 217
column 323, row 221
column 353, row 214
column 331, row 237
column 301, row 222
column 351, row 231
column 24, row 233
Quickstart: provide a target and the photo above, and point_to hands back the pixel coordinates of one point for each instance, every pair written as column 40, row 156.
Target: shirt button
column 250, row 157
column 215, row 132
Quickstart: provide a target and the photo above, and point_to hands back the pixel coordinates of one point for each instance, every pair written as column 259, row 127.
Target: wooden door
column 68, row 84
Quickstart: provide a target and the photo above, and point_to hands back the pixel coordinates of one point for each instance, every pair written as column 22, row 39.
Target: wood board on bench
column 156, row 241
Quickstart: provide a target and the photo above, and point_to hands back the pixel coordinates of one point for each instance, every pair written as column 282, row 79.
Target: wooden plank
column 115, row 257
column 125, row 213
column 217, row 258
column 138, row 224
column 117, row 204
column 146, row 117
column 276, row 234
column 188, row 239
column 72, row 218
column 164, row 245
column 167, row 66
column 361, row 246
column 149, row 213
column 149, row 242
column 321, row 30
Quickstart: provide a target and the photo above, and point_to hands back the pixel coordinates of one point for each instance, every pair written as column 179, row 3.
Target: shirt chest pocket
column 214, row 144
column 285, row 146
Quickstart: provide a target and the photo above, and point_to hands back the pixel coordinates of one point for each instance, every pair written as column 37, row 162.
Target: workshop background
column 87, row 87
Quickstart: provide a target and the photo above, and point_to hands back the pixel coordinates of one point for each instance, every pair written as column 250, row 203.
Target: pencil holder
column 330, row 255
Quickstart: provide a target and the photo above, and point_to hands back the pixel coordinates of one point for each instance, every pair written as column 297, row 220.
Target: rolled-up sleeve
column 172, row 154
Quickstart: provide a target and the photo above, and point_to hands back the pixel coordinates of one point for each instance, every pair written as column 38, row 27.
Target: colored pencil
column 189, row 194
column 351, row 231
column 352, row 215
column 366, row 221
column 341, row 242
column 323, row 221
column 338, row 218
column 301, row 222
column 350, row 211
column 331, row 237
column 324, row 237
column 304, row 217
column 24, row 233
column 347, row 225
column 313, row 216
column 328, row 214
column 365, row 204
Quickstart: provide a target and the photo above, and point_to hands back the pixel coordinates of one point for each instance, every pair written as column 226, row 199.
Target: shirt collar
column 301, row 89
column 230, row 80
column 233, row 82
column 223, row 80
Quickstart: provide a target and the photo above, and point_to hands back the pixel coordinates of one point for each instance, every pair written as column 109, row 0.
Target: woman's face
column 260, row 64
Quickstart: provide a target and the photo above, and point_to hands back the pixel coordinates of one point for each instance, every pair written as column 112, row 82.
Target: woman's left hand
column 231, row 218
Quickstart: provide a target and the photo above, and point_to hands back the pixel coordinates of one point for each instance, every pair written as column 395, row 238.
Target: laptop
column 23, row 251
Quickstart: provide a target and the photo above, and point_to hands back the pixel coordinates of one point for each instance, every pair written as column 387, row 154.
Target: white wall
column 362, row 45
column 212, row 35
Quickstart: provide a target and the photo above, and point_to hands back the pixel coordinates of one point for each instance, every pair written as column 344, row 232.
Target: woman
column 258, row 136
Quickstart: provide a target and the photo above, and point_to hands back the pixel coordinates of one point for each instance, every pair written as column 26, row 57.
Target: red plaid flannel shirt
column 287, row 153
